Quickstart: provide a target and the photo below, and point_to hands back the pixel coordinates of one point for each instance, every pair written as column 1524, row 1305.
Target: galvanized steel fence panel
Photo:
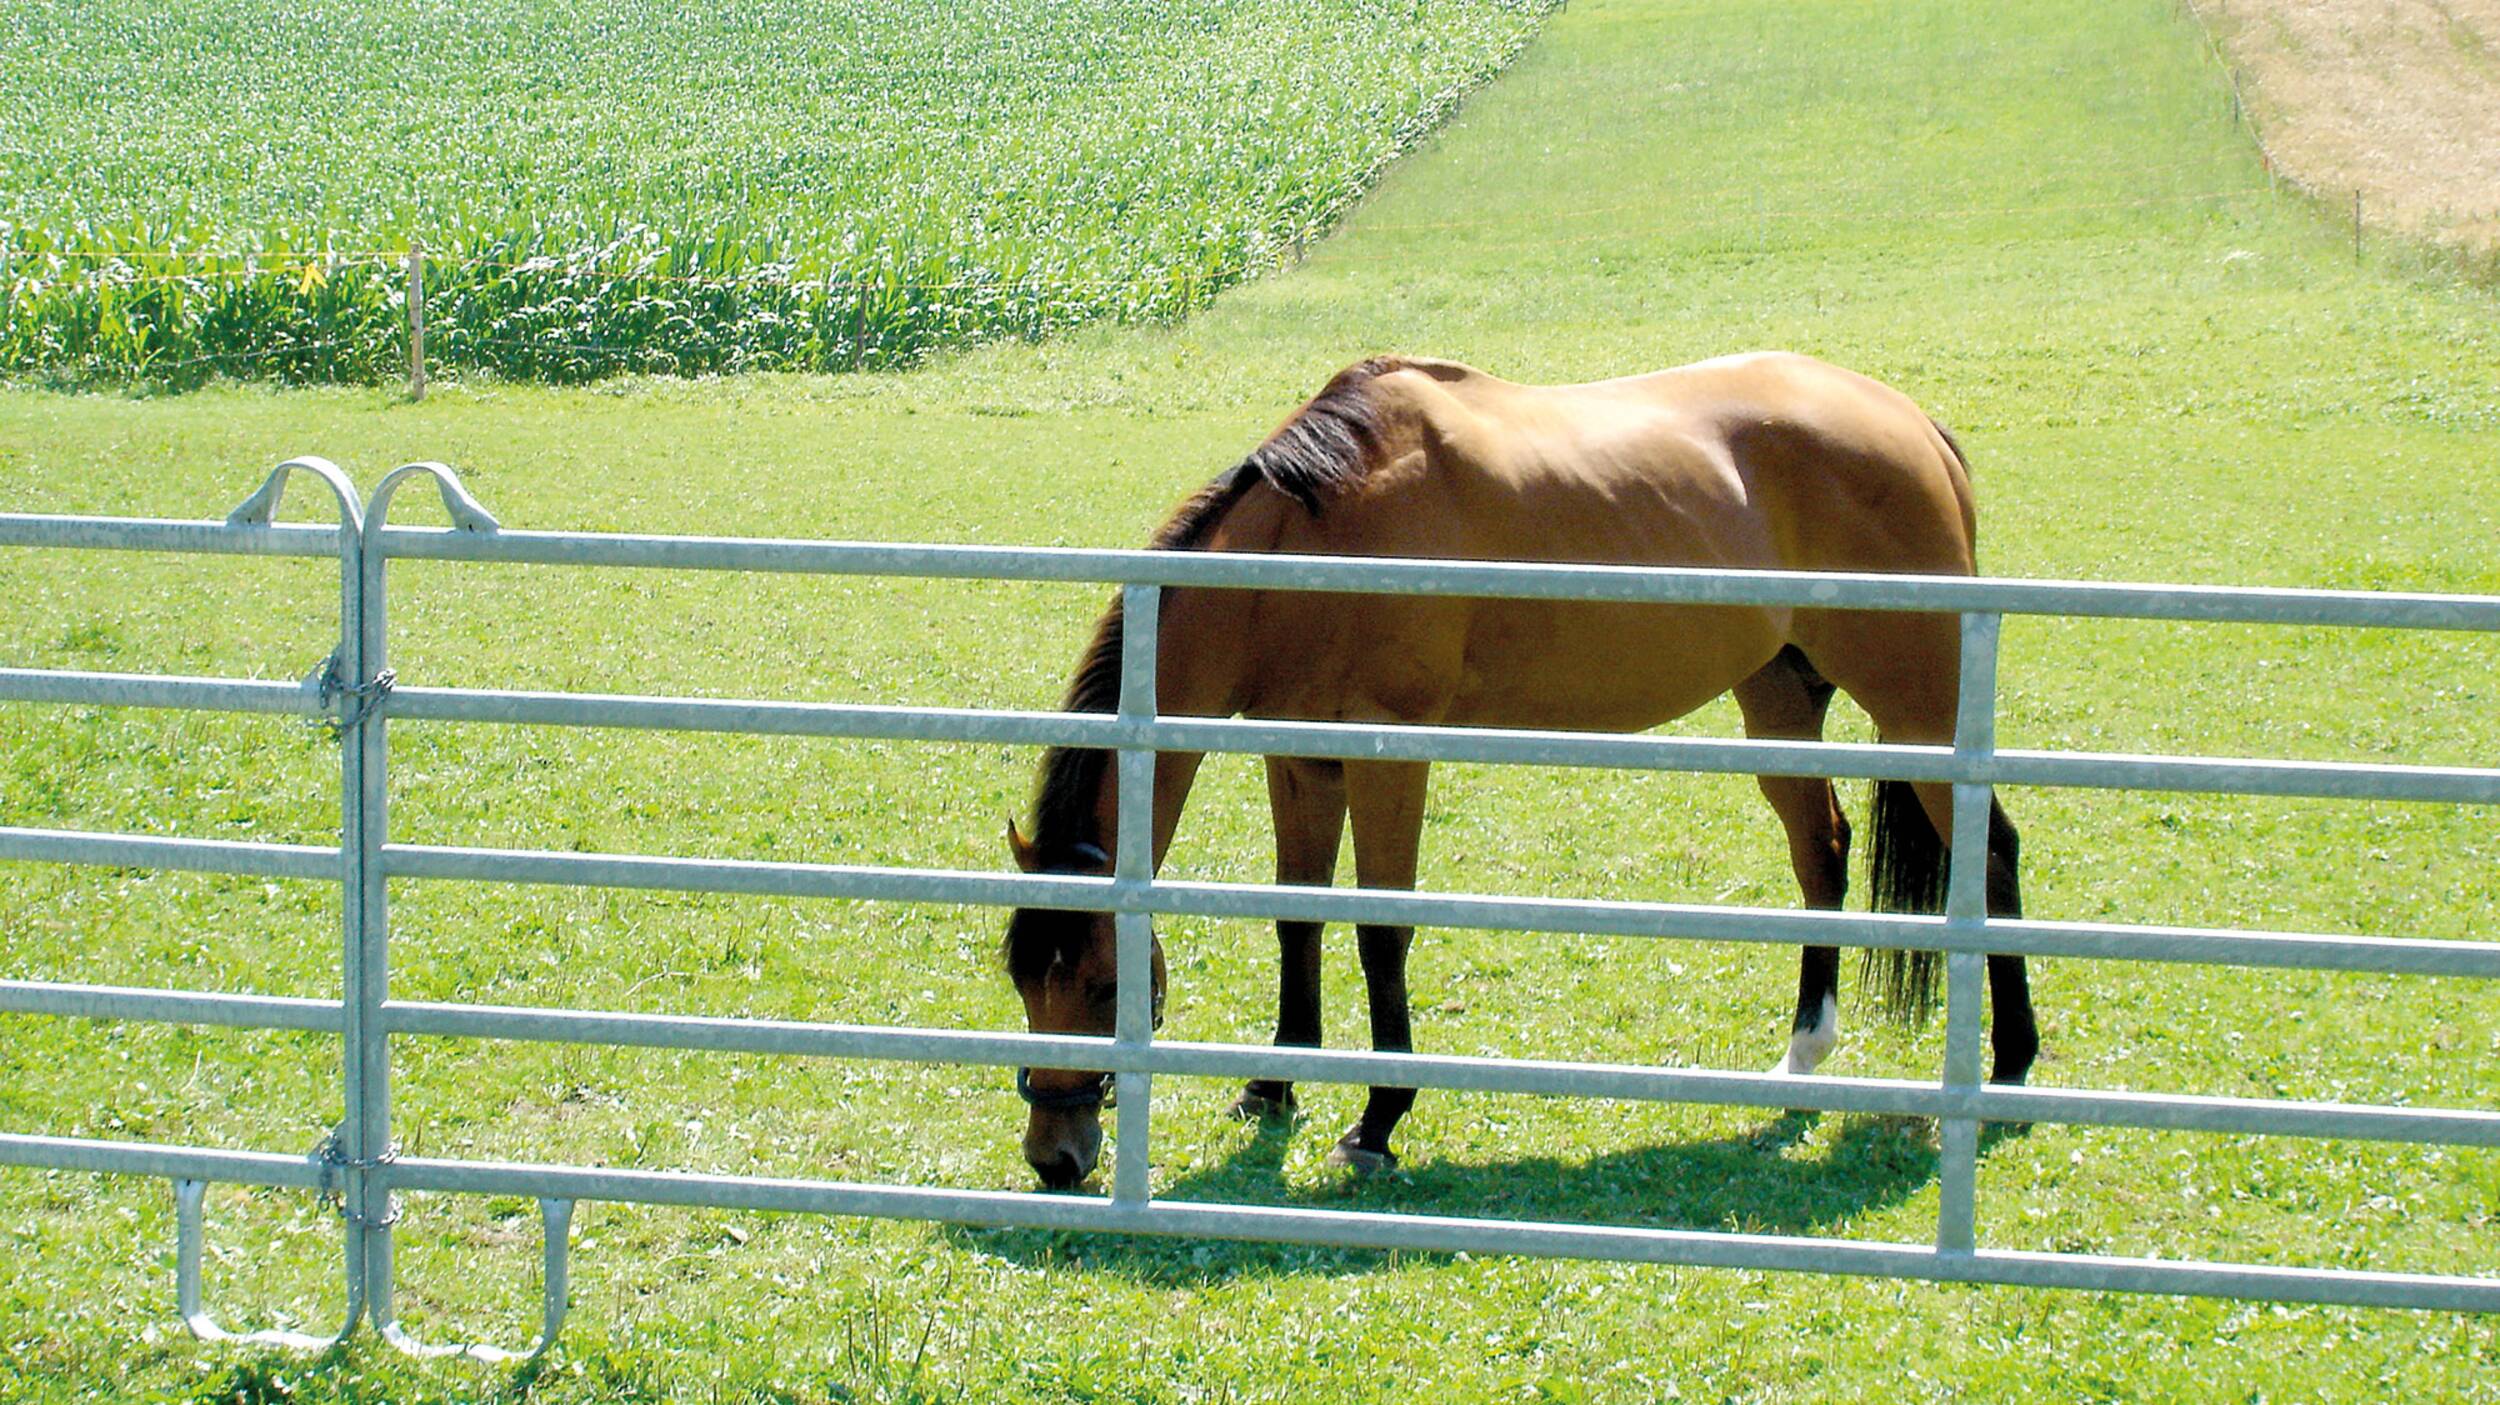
column 358, row 1165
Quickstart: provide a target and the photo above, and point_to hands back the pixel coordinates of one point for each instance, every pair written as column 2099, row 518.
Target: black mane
column 1330, row 444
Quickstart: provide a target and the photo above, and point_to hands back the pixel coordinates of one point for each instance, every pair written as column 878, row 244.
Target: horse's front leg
column 1386, row 800
column 1788, row 701
column 1307, row 800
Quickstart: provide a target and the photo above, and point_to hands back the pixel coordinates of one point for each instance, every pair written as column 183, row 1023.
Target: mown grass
column 225, row 188
column 2038, row 220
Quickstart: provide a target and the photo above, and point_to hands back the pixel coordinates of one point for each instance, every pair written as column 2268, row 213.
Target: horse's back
column 1766, row 461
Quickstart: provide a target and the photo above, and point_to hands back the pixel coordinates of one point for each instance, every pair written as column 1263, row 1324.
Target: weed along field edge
column 2041, row 222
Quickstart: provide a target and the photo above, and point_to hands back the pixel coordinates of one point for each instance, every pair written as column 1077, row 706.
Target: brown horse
column 1769, row 461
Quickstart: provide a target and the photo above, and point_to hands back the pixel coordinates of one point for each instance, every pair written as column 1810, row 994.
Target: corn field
column 202, row 188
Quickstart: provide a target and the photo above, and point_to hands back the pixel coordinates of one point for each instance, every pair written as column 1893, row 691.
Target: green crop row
column 228, row 188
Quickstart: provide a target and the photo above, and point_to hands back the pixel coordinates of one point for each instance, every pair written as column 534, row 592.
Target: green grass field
column 2037, row 219
column 605, row 186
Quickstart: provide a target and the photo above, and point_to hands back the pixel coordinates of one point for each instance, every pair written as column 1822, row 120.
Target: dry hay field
column 2396, row 99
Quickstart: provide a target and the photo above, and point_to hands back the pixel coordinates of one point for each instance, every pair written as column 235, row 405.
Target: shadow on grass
column 1746, row 1183
column 359, row 1374
column 881, row 1358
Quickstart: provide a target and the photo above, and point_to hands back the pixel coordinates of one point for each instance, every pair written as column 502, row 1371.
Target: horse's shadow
column 1745, row 1183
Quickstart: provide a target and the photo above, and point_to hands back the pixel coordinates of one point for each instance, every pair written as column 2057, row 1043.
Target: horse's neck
column 1175, row 772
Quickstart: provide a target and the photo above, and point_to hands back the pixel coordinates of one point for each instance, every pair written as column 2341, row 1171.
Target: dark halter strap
column 1084, row 1095
column 1093, row 1094
column 1098, row 1092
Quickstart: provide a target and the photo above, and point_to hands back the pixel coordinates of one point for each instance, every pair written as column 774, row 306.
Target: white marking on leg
column 1808, row 1047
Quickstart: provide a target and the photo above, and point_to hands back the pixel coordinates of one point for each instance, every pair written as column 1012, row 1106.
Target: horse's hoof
column 1360, row 1161
column 1259, row 1107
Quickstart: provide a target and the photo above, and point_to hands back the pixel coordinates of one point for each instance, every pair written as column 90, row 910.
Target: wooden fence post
column 416, row 318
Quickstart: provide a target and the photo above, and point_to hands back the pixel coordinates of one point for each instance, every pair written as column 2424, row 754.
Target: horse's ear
column 1027, row 858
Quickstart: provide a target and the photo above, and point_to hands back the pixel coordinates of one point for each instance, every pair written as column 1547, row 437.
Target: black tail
column 1908, row 875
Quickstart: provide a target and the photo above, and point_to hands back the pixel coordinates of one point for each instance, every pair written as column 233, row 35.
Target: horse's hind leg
column 1903, row 669
column 1787, row 700
column 1386, row 802
column 1307, row 800
column 2014, row 1031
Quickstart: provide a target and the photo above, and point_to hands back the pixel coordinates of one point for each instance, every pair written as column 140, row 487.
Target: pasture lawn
column 2035, row 218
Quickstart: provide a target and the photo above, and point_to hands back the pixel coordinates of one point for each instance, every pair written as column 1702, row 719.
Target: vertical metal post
column 1966, row 913
column 350, row 1151
column 416, row 318
column 368, row 1128
column 1141, row 609
column 187, row 1245
column 373, row 958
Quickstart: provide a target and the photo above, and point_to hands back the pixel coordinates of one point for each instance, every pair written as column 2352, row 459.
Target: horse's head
column 1066, row 967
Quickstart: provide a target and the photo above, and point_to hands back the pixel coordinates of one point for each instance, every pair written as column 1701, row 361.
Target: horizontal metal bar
column 1523, row 580
column 39, row 529
column 2323, row 780
column 1742, row 756
column 793, row 880
column 113, row 1002
column 1579, row 916
column 193, row 1163
column 37, row 685
column 1786, row 926
column 151, row 851
column 2222, row 946
column 1264, row 737
column 2464, row 1127
column 1369, row 741
column 1056, row 890
column 1504, row 579
column 1351, row 1229
column 2264, row 1117
column 1883, row 1096
column 1807, row 927
column 1450, row 1234
column 744, row 1036
column 1535, row 1077
column 757, row 717
column 1748, row 756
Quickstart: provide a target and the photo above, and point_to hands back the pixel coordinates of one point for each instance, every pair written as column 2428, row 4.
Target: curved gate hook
column 327, row 683
column 466, row 514
column 261, row 508
column 556, row 1216
column 188, row 1195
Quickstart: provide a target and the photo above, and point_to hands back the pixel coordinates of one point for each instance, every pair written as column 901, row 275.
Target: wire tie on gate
column 363, row 698
column 333, row 1157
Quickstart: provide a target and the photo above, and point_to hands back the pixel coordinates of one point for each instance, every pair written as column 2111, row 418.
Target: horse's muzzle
column 1061, row 1173
column 1062, row 1145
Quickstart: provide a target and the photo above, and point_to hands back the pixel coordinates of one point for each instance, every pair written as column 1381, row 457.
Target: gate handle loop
column 557, row 1217
column 188, row 1197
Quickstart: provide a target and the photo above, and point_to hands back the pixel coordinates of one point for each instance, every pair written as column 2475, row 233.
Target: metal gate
column 359, row 1163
